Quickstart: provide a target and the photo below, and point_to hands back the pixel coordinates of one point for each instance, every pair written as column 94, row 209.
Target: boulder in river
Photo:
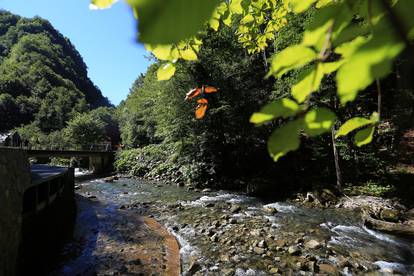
column 294, row 250
column 235, row 208
column 405, row 228
column 270, row 210
column 312, row 244
column 391, row 215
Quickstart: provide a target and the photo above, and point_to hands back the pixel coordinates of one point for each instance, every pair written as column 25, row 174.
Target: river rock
column 313, row 244
column 311, row 265
column 194, row 267
column 228, row 272
column 232, row 220
column 409, row 214
column 262, row 244
column 311, row 198
column 214, row 238
column 259, row 250
column 328, row 196
column 372, row 203
column 273, row 270
column 207, row 190
column 235, row 208
column 299, row 240
column 224, row 258
column 270, row 210
column 109, row 179
column 391, row 215
column 215, row 224
column 256, row 232
column 280, row 243
column 329, row 269
column 294, row 250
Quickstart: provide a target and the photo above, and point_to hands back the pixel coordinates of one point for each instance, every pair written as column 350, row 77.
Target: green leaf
column 355, row 123
column 330, row 67
column 348, row 49
column 188, row 54
column 336, row 17
column 284, row 139
column 350, row 33
column 162, row 52
column 220, row 13
column 318, row 121
column 102, row 4
column 166, row 71
column 322, row 3
column 373, row 60
column 364, row 136
column 309, row 81
column 280, row 108
column 214, row 23
column 299, row 6
column 291, row 58
column 170, row 21
column 236, row 7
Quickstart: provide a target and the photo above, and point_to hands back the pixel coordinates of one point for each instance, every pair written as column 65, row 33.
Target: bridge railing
column 57, row 147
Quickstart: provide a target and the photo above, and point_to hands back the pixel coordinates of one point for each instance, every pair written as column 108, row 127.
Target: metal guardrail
column 104, row 147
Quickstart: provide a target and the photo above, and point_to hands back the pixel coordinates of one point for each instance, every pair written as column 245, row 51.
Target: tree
column 84, row 130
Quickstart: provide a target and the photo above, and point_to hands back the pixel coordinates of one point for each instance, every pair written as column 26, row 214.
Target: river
column 225, row 233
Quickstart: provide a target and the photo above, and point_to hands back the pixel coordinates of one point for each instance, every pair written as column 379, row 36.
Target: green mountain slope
column 43, row 78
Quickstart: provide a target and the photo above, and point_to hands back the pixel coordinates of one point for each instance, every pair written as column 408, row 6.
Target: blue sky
column 104, row 38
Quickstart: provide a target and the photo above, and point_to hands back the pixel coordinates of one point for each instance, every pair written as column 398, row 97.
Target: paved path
column 42, row 173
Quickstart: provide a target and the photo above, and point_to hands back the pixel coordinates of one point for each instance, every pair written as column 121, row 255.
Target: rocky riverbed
column 223, row 233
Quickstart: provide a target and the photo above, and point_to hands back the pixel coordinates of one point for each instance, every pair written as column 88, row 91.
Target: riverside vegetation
column 164, row 141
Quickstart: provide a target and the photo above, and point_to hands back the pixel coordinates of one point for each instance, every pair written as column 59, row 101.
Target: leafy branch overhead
column 354, row 41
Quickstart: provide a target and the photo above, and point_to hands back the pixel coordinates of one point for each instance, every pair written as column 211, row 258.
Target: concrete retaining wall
column 35, row 218
column 14, row 178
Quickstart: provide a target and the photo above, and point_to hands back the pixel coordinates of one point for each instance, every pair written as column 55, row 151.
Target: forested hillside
column 225, row 150
column 43, row 79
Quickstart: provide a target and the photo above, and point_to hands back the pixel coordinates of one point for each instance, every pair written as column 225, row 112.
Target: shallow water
column 194, row 217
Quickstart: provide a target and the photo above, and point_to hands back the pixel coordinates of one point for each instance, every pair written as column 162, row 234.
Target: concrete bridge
column 101, row 156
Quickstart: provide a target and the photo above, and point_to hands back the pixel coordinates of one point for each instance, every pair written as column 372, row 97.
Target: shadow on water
column 84, row 240
column 44, row 234
column 102, row 233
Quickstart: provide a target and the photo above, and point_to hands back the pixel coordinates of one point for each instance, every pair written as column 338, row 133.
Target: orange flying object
column 202, row 102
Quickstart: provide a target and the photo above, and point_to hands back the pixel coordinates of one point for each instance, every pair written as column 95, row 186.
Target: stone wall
column 14, row 178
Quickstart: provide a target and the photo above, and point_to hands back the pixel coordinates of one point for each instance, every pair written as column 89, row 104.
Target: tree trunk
column 337, row 165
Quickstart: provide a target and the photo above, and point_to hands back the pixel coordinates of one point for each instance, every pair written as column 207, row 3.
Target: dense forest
column 44, row 86
column 164, row 140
